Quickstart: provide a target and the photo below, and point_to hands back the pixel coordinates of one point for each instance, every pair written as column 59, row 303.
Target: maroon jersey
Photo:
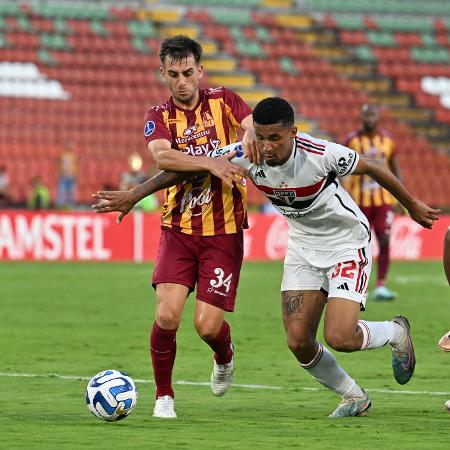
column 201, row 206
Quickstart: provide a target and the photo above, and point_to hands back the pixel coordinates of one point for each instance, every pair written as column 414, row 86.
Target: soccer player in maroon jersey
column 202, row 217
column 374, row 201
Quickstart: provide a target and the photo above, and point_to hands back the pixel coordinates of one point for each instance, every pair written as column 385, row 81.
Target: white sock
column 378, row 334
column 326, row 370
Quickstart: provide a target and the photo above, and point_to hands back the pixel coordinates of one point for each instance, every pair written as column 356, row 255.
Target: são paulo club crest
column 288, row 196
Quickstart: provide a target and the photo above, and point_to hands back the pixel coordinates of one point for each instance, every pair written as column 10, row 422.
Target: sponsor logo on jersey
column 172, row 121
column 198, row 197
column 190, row 130
column 149, row 128
column 286, row 195
column 260, row 173
column 204, row 149
column 181, row 140
column 344, row 163
column 344, row 287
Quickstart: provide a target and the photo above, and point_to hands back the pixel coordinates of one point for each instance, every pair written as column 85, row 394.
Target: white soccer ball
column 111, row 395
column 447, row 405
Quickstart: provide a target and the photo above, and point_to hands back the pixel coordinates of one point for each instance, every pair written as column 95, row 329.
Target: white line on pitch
column 204, row 383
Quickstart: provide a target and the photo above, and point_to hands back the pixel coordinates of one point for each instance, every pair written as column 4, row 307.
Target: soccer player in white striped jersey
column 328, row 259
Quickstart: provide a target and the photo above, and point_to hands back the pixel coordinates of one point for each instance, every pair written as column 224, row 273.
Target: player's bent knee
column 340, row 341
column 207, row 330
column 167, row 319
column 300, row 345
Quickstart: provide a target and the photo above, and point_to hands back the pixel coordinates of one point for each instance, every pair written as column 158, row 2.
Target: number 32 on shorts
column 344, row 270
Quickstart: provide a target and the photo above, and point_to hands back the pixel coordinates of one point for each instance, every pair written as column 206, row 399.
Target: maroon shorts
column 380, row 218
column 212, row 262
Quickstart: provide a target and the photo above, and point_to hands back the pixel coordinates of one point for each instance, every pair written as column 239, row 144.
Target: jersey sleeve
column 238, row 110
column 239, row 159
column 340, row 159
column 155, row 127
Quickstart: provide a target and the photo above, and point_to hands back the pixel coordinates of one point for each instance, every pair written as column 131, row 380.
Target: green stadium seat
column 54, row 41
column 3, row 41
column 287, row 66
column 10, row 9
column 381, row 39
column 350, row 22
column 428, row 40
column 24, row 24
column 430, row 55
column 227, row 17
column 46, row 57
column 263, row 34
column 140, row 45
column 61, row 26
column 250, row 48
column 98, row 28
column 142, row 29
column 365, row 53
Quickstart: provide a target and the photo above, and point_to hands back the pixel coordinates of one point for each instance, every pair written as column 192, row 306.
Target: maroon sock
column 221, row 345
column 383, row 263
column 163, row 348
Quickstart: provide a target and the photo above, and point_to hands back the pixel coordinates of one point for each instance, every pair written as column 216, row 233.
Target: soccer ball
column 111, row 395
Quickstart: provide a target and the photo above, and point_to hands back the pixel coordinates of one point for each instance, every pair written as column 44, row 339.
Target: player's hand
column 250, row 147
column 224, row 169
column 109, row 201
column 423, row 214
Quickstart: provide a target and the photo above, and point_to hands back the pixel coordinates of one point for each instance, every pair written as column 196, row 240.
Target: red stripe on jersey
column 311, row 151
column 176, row 214
column 316, row 144
column 217, row 204
column 303, row 191
column 360, row 278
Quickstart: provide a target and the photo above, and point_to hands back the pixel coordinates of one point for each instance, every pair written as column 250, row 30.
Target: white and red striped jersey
column 321, row 214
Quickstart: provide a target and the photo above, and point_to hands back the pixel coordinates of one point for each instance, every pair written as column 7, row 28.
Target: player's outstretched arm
column 167, row 158
column 123, row 201
column 419, row 211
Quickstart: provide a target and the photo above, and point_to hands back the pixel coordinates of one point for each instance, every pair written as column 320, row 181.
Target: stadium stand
column 85, row 72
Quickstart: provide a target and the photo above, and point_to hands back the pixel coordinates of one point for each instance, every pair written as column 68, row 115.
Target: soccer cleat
column 403, row 358
column 164, row 407
column 352, row 407
column 222, row 376
column 444, row 342
column 382, row 293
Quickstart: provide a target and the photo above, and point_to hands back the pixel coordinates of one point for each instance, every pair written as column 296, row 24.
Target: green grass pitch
column 74, row 320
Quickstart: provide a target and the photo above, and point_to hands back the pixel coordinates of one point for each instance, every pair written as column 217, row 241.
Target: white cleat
column 164, row 408
column 222, row 377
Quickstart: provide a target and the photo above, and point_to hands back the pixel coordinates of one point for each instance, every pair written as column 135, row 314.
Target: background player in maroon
column 375, row 202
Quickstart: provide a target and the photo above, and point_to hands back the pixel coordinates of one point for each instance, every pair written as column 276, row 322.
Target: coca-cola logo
column 277, row 238
column 406, row 239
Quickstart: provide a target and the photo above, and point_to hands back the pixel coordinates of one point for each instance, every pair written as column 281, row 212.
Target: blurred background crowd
column 77, row 76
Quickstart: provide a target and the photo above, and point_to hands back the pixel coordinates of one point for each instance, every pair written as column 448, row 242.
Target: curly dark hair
column 274, row 110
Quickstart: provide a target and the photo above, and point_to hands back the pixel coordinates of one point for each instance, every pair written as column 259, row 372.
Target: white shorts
column 342, row 274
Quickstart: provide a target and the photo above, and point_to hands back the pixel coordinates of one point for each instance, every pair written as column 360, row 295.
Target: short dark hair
column 274, row 110
column 180, row 47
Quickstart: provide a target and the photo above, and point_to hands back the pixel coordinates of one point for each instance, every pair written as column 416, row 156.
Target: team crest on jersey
column 286, row 195
column 208, row 121
column 190, row 130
